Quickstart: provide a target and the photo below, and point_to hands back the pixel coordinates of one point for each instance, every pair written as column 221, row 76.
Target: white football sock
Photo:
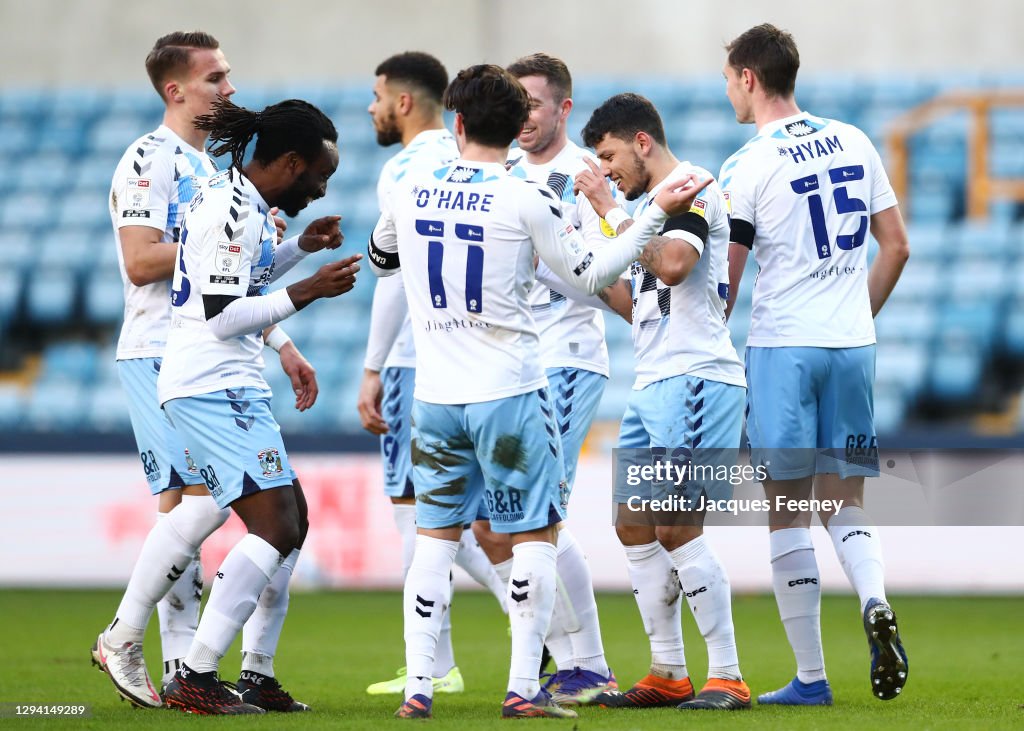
column 405, row 521
column 656, row 590
column 165, row 557
column 504, row 572
column 262, row 631
column 428, row 590
column 797, row 586
column 472, row 559
column 178, row 613
column 531, row 600
column 585, row 631
column 706, row 588
column 444, row 654
column 246, row 571
column 860, row 552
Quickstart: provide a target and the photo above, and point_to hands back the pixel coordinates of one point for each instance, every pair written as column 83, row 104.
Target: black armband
column 742, row 233
column 690, row 222
column 214, row 304
column 383, row 259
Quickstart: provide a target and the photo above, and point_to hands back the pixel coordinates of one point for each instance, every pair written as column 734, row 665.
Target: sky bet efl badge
column 138, row 192
column 229, row 257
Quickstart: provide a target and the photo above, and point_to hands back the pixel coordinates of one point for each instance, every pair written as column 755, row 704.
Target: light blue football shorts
column 237, row 443
column 507, row 452
column 686, row 419
column 811, row 411
column 397, row 386
column 577, row 394
column 165, row 460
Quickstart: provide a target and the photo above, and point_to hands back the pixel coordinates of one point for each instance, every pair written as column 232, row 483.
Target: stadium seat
column 12, row 406
column 51, row 296
column 56, row 407
column 107, row 409
column 69, row 361
column 955, row 374
column 10, row 293
column 104, row 297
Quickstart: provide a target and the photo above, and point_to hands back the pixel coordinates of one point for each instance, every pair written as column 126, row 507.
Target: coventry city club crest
column 270, row 462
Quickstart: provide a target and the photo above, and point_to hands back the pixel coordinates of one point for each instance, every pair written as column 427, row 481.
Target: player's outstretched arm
column 893, row 251
column 230, row 316
column 562, row 249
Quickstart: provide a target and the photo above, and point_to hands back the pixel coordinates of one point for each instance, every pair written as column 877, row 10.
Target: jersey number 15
column 844, row 204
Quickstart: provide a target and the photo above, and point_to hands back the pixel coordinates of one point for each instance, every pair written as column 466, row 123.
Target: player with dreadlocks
column 211, row 386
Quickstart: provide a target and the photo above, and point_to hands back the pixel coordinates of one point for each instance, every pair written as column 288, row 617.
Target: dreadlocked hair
column 289, row 126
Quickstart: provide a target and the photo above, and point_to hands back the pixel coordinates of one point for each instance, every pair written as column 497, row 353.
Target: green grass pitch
column 966, row 664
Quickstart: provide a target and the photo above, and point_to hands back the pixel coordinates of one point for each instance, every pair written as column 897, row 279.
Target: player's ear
column 173, row 92
column 642, row 143
column 566, row 107
column 404, row 104
column 748, row 79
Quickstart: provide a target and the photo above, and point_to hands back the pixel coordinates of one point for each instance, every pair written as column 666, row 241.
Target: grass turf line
column 966, row 663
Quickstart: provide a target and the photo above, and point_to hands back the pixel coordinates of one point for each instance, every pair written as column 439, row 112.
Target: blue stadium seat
column 79, row 209
column 27, row 209
column 104, row 297
column 68, row 248
column 112, row 134
column 970, row 321
column 69, row 361
column 979, row 277
column 909, row 321
column 929, row 240
column 901, row 366
column 51, row 296
column 1013, row 330
column 107, row 409
column 955, row 374
column 889, row 409
column 58, row 406
column 10, row 293
column 12, row 406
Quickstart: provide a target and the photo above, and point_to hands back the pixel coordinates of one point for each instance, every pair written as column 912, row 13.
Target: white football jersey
column 152, row 185
column 571, row 333
column 680, row 330
column 227, row 247
column 430, row 149
column 805, row 188
column 464, row 237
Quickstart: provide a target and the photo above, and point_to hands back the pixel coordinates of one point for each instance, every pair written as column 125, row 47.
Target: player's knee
column 672, row 537
column 634, row 535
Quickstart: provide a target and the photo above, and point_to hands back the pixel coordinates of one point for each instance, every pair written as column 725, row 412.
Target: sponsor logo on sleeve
column 728, row 201
column 229, row 257
column 607, row 230
column 138, row 192
column 700, row 208
column 221, row 279
column 132, row 213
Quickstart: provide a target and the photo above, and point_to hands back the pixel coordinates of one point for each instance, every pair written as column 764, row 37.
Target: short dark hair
column 493, row 104
column 292, row 125
column 622, row 116
column 172, row 53
column 552, row 69
column 417, row 69
column 771, row 54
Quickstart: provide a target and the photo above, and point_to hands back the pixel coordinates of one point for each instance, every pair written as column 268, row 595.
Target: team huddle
column 487, row 360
